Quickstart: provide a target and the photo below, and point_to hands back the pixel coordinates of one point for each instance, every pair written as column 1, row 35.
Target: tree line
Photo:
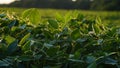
column 69, row 4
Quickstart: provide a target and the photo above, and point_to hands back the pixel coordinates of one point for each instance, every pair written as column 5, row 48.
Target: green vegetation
column 62, row 40
column 110, row 5
column 109, row 17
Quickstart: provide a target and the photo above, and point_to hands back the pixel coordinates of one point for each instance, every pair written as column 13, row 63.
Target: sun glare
column 74, row 0
column 6, row 1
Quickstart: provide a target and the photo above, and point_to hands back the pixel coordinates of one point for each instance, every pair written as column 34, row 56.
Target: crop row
column 61, row 42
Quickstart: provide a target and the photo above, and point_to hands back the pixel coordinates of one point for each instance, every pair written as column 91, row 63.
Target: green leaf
column 118, row 66
column 90, row 59
column 37, row 57
column 25, row 58
column 12, row 47
column 59, row 17
column 91, row 27
column 33, row 15
column 2, row 15
column 81, row 40
column 100, row 41
column 77, row 54
column 110, row 61
column 2, row 63
column 75, row 34
column 26, row 46
column 34, row 66
column 97, row 28
column 74, row 60
column 20, row 65
column 80, row 17
column 52, row 51
column 98, row 20
column 9, row 39
column 53, row 23
column 23, row 26
column 92, row 65
column 56, row 66
column 23, row 40
column 67, row 17
column 13, row 23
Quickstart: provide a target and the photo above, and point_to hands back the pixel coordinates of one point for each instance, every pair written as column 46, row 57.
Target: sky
column 6, row 1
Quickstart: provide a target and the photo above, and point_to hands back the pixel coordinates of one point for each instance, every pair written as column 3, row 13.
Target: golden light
column 74, row 0
column 6, row 1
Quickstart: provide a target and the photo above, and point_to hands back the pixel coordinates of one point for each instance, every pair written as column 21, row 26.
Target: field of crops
column 48, row 38
column 110, row 17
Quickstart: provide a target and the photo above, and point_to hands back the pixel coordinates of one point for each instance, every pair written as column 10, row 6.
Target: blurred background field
column 108, row 10
column 109, row 17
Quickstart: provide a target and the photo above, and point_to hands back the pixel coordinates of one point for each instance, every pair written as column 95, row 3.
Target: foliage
column 110, row 5
column 82, row 43
column 33, row 15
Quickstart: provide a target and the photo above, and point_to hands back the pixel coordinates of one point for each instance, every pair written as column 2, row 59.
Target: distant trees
column 69, row 4
column 83, row 4
column 105, row 5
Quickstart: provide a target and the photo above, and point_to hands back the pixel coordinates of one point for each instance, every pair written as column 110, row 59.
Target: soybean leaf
column 26, row 46
column 52, row 51
column 74, row 60
column 33, row 15
column 23, row 40
column 90, row 59
column 37, row 57
column 96, row 28
column 75, row 34
column 92, row 65
column 47, row 45
column 110, row 61
column 12, row 47
column 23, row 26
column 2, row 15
column 67, row 17
column 34, row 66
column 2, row 63
column 13, row 23
column 80, row 17
column 25, row 58
column 98, row 20
column 77, row 54
column 20, row 65
column 53, row 23
column 9, row 39
column 59, row 17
